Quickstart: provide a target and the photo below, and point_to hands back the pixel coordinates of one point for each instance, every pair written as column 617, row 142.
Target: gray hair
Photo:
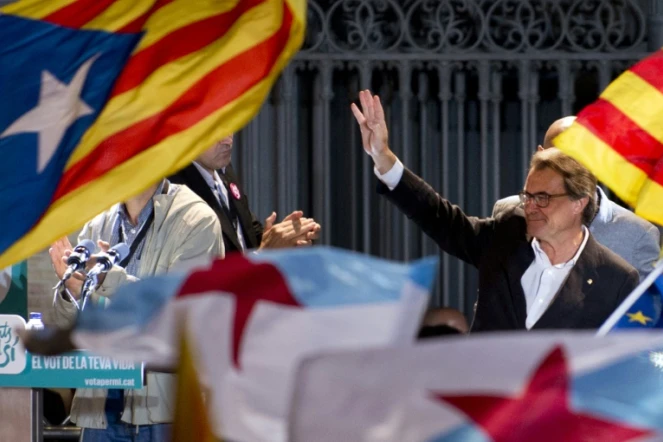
column 579, row 182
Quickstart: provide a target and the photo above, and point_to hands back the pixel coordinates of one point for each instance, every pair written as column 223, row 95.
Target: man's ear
column 581, row 204
column 539, row 148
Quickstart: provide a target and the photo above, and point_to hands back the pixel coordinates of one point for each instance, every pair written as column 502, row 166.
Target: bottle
column 34, row 322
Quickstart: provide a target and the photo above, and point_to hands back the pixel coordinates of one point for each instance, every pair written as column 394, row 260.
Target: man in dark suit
column 622, row 231
column 539, row 267
column 212, row 177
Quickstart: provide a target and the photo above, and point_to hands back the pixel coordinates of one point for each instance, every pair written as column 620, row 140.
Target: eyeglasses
column 540, row 199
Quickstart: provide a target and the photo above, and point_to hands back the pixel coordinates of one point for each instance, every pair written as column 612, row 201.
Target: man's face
column 218, row 156
column 561, row 214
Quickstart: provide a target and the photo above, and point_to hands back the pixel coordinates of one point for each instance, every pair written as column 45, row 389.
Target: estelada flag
column 620, row 137
column 102, row 98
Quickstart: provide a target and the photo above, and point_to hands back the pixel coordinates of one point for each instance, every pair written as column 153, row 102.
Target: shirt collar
column 605, row 208
column 145, row 213
column 542, row 258
column 210, row 179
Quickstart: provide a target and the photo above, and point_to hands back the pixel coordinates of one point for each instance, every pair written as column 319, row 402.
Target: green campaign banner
column 78, row 369
column 14, row 290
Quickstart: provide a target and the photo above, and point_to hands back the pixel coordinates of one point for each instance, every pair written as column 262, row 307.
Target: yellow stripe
column 179, row 14
column 220, row 123
column 191, row 420
column 36, row 9
column 236, row 114
column 298, row 8
column 639, row 100
column 607, row 165
column 170, row 81
column 649, row 203
column 135, row 175
column 119, row 14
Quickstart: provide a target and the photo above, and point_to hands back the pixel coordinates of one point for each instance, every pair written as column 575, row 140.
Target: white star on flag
column 58, row 108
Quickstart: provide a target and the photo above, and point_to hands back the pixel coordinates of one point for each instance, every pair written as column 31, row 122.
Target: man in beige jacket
column 168, row 228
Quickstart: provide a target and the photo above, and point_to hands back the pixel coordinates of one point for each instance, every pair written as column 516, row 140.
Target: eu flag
column 642, row 308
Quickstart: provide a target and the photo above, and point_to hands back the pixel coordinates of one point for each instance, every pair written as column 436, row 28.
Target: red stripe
column 248, row 282
column 218, row 88
column 625, row 137
column 651, row 70
column 183, row 41
column 137, row 24
column 78, row 13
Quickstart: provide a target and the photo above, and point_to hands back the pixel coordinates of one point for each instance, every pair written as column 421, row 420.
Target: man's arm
column 257, row 228
column 115, row 277
column 451, row 229
column 504, row 205
column 197, row 241
column 456, row 233
column 647, row 251
column 64, row 310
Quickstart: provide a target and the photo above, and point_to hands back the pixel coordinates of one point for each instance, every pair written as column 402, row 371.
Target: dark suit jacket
column 500, row 249
column 251, row 227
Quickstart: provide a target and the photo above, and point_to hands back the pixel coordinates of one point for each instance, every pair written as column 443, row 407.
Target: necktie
column 220, row 195
column 227, row 205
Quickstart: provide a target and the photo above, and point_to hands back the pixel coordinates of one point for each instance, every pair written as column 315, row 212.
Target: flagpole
column 630, row 299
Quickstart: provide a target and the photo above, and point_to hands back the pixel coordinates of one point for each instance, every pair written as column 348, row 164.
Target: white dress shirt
column 219, row 190
column 541, row 281
column 393, row 177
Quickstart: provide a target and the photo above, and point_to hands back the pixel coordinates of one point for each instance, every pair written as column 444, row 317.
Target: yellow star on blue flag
column 638, row 317
column 642, row 308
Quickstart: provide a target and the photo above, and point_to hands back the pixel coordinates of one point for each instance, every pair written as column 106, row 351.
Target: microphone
column 105, row 261
column 78, row 258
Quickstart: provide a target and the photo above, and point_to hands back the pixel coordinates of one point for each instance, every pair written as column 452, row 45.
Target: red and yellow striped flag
column 620, row 137
column 200, row 71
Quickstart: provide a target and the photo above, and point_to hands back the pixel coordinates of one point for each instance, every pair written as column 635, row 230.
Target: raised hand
column 59, row 252
column 374, row 133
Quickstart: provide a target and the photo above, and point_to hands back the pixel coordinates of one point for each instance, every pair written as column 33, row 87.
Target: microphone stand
column 90, row 282
column 70, row 297
column 104, row 263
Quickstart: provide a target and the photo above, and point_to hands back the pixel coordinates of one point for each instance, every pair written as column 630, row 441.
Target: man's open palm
column 374, row 134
